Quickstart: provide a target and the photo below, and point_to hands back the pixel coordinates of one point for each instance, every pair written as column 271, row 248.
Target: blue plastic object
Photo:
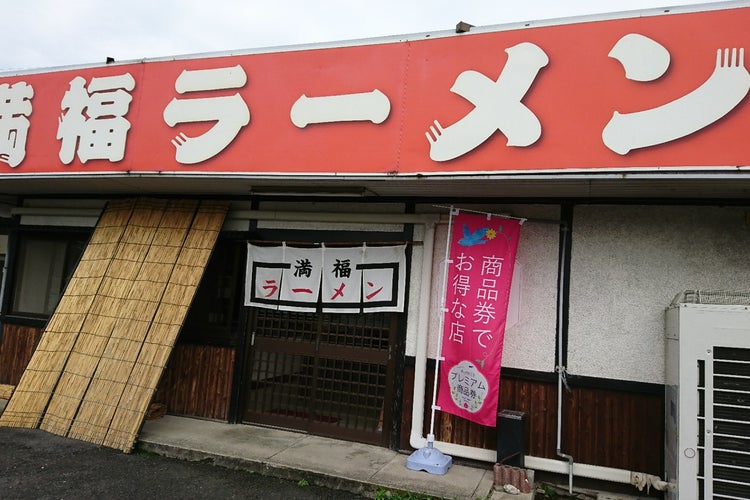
column 429, row 459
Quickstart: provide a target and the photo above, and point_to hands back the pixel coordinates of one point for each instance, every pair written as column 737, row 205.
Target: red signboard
column 646, row 92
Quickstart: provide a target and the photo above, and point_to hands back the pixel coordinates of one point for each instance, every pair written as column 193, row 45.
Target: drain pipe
column 569, row 458
column 561, row 372
column 416, row 439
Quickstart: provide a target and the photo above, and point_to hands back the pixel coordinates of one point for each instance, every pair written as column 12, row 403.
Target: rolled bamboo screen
column 105, row 348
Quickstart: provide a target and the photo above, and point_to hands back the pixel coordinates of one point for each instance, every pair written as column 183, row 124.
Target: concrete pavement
column 355, row 467
column 345, row 465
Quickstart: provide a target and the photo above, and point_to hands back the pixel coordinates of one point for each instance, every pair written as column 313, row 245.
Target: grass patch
column 397, row 495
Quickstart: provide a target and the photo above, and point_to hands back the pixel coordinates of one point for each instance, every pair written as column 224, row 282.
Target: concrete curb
column 348, row 466
column 265, row 468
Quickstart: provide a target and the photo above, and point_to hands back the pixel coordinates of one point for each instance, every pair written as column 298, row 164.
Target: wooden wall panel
column 610, row 428
column 198, row 381
column 617, row 429
column 16, row 347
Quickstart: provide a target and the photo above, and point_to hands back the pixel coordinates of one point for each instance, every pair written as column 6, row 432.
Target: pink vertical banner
column 479, row 272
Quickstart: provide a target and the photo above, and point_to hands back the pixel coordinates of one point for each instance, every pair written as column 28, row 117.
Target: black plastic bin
column 511, row 437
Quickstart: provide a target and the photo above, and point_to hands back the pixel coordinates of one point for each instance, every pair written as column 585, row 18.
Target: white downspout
column 416, row 438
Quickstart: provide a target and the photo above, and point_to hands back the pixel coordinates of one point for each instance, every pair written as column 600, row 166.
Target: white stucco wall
column 628, row 263
column 530, row 342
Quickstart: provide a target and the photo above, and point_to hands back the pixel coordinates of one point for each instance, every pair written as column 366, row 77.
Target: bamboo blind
column 34, row 390
column 126, row 333
column 6, row 390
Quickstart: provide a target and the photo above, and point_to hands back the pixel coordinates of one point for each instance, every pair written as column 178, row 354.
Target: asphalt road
column 36, row 464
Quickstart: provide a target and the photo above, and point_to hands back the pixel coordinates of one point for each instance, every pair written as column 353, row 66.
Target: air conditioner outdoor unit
column 707, row 400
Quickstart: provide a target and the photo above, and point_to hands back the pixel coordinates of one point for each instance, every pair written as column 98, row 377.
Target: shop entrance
column 322, row 373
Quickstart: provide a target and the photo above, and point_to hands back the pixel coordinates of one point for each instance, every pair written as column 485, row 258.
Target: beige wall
column 628, row 263
column 530, row 341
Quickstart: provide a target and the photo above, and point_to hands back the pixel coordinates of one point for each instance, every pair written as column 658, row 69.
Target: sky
column 52, row 33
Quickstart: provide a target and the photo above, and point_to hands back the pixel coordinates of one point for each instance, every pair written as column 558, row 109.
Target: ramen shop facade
column 285, row 213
